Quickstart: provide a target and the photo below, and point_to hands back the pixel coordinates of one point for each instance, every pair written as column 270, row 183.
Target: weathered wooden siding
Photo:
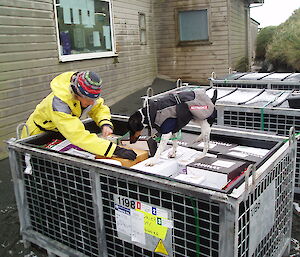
column 29, row 57
column 239, row 28
column 191, row 63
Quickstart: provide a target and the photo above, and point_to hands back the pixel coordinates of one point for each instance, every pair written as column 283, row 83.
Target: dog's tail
column 211, row 119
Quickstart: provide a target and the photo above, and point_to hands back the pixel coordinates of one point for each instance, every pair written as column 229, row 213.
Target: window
column 84, row 29
column 142, row 26
column 193, row 26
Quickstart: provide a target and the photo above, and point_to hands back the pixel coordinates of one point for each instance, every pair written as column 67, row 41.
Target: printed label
column 143, row 224
column 198, row 107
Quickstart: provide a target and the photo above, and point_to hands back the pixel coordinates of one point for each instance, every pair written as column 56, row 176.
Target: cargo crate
column 254, row 109
column 277, row 81
column 277, row 120
column 72, row 206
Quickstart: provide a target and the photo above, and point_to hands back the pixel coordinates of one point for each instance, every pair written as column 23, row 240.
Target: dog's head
column 135, row 126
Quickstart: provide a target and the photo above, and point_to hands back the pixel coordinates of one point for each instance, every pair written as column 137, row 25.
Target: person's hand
column 125, row 153
column 106, row 130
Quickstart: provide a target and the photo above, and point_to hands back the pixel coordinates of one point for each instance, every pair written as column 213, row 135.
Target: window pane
column 84, row 26
column 193, row 25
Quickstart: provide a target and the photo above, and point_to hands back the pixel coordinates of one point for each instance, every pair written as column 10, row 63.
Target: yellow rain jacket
column 60, row 111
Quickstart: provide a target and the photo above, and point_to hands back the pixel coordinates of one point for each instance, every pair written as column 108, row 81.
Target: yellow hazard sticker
column 160, row 248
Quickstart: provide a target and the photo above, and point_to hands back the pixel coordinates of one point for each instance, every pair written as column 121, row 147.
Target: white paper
column 167, row 223
column 146, row 208
column 123, row 220
column 211, row 145
column 163, row 167
column 80, row 153
column 28, row 169
column 225, row 164
column 238, row 154
column 96, row 38
column 162, row 213
column 106, row 34
column 138, row 231
column 251, row 150
column 191, row 178
column 76, row 19
column 61, row 145
column 66, row 15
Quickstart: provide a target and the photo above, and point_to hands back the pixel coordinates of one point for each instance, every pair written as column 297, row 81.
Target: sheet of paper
column 225, row 164
column 138, row 230
column 123, row 220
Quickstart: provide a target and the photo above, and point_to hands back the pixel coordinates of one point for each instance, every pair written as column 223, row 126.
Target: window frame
column 142, row 29
column 192, row 42
column 85, row 56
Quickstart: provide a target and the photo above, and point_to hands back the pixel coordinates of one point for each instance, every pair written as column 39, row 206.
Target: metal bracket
column 213, row 75
column 20, row 128
column 292, row 136
column 179, row 83
column 250, row 169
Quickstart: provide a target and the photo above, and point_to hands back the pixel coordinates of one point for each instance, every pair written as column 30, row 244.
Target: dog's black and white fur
column 170, row 113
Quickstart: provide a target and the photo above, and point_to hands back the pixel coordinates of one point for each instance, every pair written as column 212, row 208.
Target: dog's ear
column 135, row 122
column 215, row 95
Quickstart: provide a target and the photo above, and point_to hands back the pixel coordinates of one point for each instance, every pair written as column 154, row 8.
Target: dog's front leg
column 161, row 147
column 172, row 153
column 204, row 136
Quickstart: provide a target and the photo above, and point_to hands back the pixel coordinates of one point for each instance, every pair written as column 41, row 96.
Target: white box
column 184, row 156
column 191, row 178
column 218, row 172
column 163, row 167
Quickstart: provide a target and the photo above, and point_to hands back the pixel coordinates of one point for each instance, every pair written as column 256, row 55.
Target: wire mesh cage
column 73, row 206
column 276, row 81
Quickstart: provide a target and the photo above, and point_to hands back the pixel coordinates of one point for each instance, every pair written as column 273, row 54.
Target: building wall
column 29, row 58
column 191, row 63
column 253, row 35
column 239, row 29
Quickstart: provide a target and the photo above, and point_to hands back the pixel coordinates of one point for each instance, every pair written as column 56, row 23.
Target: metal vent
column 190, row 237
column 60, row 204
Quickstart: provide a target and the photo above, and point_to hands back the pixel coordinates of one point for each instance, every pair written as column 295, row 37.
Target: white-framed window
column 193, row 26
column 84, row 29
column 142, row 27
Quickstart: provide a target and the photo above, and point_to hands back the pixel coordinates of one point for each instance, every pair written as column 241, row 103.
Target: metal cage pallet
column 68, row 206
column 277, row 81
column 269, row 113
column 277, row 120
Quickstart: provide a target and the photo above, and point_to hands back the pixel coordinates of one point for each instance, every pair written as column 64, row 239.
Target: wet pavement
column 10, row 239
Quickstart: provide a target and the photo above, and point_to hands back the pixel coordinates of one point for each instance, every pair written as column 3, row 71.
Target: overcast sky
column 274, row 12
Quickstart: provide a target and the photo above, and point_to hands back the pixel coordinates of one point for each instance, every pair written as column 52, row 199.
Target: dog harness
column 183, row 106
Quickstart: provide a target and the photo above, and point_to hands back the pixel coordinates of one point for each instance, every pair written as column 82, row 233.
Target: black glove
column 125, row 153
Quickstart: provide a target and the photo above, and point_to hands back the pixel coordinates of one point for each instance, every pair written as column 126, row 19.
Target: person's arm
column 100, row 113
column 73, row 129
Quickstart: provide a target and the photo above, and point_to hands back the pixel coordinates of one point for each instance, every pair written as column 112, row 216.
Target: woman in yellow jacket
column 73, row 95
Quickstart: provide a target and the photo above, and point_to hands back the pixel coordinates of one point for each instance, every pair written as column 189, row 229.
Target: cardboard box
column 217, row 171
column 141, row 156
column 144, row 143
column 163, row 167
